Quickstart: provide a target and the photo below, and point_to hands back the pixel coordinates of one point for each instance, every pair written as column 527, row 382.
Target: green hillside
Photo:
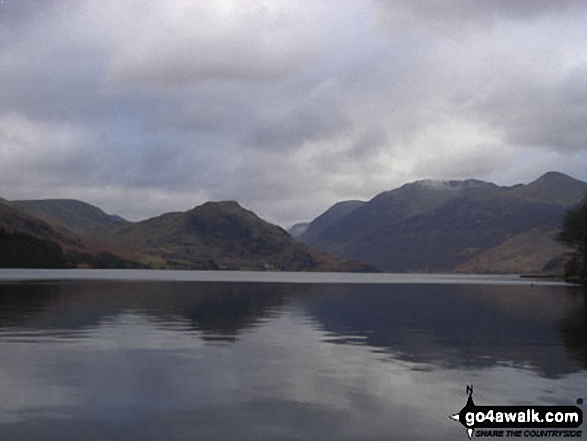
column 220, row 235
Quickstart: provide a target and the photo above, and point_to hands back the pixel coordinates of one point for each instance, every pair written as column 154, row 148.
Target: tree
column 574, row 234
column 20, row 250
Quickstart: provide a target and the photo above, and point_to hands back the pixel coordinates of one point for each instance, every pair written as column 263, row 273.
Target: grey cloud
column 290, row 128
column 27, row 145
column 408, row 13
column 370, row 140
column 538, row 114
column 222, row 63
column 17, row 13
column 287, row 107
column 222, row 109
column 480, row 162
column 45, row 76
column 180, row 44
column 197, row 117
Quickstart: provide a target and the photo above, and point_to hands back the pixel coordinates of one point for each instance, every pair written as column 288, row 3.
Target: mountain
column 29, row 241
column 298, row 229
column 338, row 211
column 465, row 226
column 26, row 242
column 219, row 235
column 74, row 215
column 215, row 235
column 13, row 220
column 555, row 188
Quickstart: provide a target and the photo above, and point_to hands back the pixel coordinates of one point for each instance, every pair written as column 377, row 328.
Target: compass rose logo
column 469, row 407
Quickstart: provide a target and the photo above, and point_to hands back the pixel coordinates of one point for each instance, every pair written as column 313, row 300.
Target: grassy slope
column 220, row 235
column 74, row 215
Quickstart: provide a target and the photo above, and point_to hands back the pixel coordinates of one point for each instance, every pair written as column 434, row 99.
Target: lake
column 162, row 355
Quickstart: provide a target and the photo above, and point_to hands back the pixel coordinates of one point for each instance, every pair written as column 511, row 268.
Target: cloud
column 315, row 116
column 179, row 43
column 28, row 146
column 285, row 106
column 538, row 114
column 451, row 15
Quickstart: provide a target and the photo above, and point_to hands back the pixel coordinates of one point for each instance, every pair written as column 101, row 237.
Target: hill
column 220, row 235
column 21, row 250
column 331, row 216
column 466, row 226
column 13, row 220
column 215, row 235
column 74, row 215
column 28, row 241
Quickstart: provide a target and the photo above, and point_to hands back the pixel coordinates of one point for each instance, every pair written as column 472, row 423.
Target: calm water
column 188, row 356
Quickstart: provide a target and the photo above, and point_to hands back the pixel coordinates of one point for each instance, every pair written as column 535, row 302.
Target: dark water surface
column 251, row 360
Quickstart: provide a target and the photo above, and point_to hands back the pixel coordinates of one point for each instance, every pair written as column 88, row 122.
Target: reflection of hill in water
column 460, row 325
column 574, row 329
column 218, row 311
column 544, row 328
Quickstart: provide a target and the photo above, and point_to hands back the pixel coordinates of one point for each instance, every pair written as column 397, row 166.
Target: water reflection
column 217, row 311
column 538, row 327
column 249, row 361
column 461, row 326
column 574, row 328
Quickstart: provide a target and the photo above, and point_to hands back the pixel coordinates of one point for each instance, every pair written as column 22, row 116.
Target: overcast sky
column 147, row 106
